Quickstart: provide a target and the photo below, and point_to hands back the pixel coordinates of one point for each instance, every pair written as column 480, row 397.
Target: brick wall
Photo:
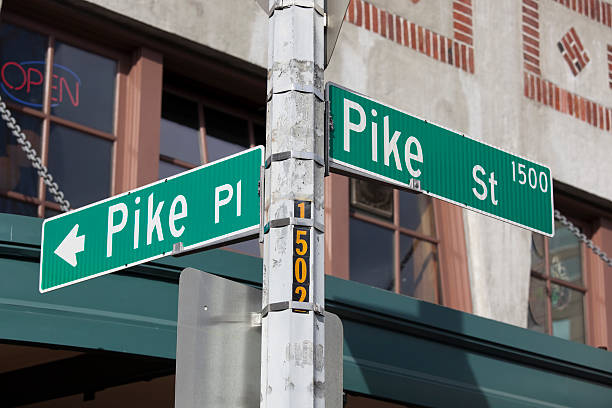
column 545, row 92
column 457, row 51
column 597, row 10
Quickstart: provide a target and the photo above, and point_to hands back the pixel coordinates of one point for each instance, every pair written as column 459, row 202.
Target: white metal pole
column 293, row 338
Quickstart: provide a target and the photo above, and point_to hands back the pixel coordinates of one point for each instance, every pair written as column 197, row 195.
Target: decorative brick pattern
column 597, row 10
column 610, row 65
column 458, row 51
column 546, row 92
column 549, row 94
column 573, row 52
column 531, row 37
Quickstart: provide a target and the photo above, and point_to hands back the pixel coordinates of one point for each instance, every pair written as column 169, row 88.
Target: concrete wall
column 488, row 104
column 235, row 27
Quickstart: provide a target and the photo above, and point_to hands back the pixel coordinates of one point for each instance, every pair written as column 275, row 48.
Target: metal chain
column 30, row 152
column 583, row 238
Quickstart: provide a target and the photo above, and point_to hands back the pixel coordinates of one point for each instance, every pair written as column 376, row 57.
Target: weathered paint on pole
column 293, row 338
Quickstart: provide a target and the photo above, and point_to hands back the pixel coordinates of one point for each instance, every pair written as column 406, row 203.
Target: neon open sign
column 20, row 80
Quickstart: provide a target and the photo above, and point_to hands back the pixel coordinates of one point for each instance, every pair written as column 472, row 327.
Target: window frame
column 453, row 273
column 593, row 215
column 43, row 200
column 202, row 102
column 549, row 280
column 144, row 59
column 398, row 231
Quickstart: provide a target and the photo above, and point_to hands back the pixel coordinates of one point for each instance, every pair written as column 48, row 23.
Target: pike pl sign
column 205, row 206
column 372, row 140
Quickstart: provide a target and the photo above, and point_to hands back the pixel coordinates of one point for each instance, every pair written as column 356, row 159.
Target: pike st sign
column 372, row 140
column 201, row 207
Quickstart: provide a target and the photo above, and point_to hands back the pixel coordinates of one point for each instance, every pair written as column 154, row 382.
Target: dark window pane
column 418, row 268
column 373, row 197
column 250, row 247
column 537, row 253
column 8, row 205
column 219, row 148
column 83, row 87
column 567, row 313
column 260, row 135
column 416, row 212
column 180, row 110
column 180, row 142
column 168, row 169
column 371, row 254
column 565, row 261
column 22, row 56
column 225, row 134
column 51, row 213
column 536, row 316
column 16, row 171
column 81, row 165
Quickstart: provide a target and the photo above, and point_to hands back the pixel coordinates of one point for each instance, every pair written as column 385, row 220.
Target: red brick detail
column 435, row 42
column 573, row 52
column 543, row 91
column 462, row 18
column 596, row 10
column 459, row 6
column 531, row 37
column 350, row 13
column 383, row 23
column 420, row 39
column 561, row 100
column 610, row 65
column 375, row 19
column 471, row 61
column 398, row 30
column 457, row 51
column 462, row 22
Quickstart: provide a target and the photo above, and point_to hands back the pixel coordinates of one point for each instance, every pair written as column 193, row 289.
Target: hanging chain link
column 582, row 237
column 31, row 154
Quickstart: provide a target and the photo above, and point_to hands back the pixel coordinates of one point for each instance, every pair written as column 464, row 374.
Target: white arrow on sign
column 70, row 246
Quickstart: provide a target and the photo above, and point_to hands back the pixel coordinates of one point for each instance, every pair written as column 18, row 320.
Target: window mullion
column 202, row 120
column 396, row 241
column 251, row 133
column 548, row 288
column 587, row 312
column 46, row 126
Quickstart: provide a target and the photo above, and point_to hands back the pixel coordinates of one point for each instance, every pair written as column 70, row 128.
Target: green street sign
column 372, row 140
column 205, row 206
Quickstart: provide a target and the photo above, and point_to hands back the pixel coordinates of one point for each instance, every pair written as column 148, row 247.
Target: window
column 195, row 130
column 64, row 99
column 558, row 286
column 393, row 243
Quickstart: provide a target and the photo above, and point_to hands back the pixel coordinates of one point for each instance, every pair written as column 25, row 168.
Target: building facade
column 441, row 306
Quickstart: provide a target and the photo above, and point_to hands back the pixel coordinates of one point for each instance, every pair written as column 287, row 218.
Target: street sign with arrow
column 205, row 206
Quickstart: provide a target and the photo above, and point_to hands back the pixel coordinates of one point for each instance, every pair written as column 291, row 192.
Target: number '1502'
column 530, row 176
